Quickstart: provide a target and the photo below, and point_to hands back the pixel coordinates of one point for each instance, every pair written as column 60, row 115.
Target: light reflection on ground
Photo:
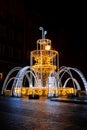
column 42, row 114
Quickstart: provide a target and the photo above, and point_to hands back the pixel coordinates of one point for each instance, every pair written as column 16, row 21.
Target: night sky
column 65, row 23
column 66, row 26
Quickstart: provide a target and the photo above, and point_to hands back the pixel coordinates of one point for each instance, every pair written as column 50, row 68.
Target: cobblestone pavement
column 42, row 114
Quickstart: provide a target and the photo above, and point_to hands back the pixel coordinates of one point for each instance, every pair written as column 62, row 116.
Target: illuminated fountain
column 44, row 76
column 44, row 60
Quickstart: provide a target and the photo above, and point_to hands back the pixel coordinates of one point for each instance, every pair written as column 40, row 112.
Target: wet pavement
column 77, row 100
column 41, row 114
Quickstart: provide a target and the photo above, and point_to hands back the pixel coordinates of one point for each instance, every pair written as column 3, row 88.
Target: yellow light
column 47, row 47
column 65, row 91
column 23, row 91
column 1, row 76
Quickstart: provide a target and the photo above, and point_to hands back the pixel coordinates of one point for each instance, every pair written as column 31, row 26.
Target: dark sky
column 65, row 23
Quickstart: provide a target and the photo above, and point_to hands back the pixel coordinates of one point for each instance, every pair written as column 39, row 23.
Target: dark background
column 65, row 23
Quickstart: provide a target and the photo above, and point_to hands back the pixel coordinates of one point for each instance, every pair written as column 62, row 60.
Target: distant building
column 12, row 35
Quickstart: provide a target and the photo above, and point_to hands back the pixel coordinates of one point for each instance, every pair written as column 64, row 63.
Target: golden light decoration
column 44, row 59
column 47, row 47
column 43, row 91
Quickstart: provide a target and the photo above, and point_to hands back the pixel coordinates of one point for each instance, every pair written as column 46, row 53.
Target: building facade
column 12, row 48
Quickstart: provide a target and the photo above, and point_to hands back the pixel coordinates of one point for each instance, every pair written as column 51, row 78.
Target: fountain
column 44, row 77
